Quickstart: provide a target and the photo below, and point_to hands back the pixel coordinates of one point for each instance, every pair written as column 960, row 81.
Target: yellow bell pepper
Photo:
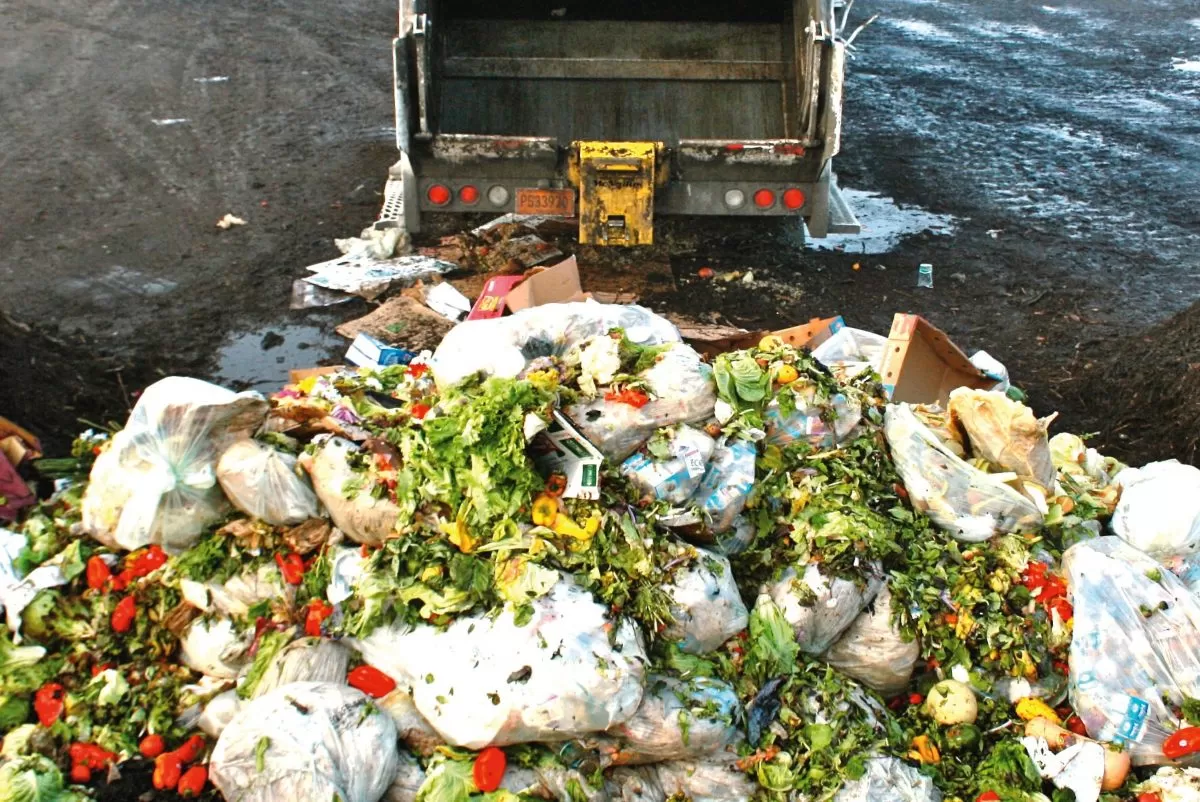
column 431, row 573
column 460, row 536
column 1029, row 708
column 924, row 751
column 563, row 525
column 545, row 510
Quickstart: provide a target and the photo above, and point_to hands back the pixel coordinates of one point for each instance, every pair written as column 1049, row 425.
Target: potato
column 952, row 702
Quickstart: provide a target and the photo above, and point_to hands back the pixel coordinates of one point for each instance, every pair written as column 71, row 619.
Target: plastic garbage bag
column 234, row 597
column 504, row 346
column 362, row 517
column 807, row 422
column 306, row 741
column 992, row 368
column 415, row 732
column 873, row 651
column 1136, row 641
column 262, row 482
column 18, row 592
column 305, row 660
column 156, row 482
column 560, row 676
column 1159, row 510
column 1005, row 433
column 673, row 479
column 966, row 502
column 677, row 720
column 722, row 493
column 219, row 712
column 408, row 780
column 820, row 609
column 849, row 352
column 215, row 647
column 634, row 784
column 705, row 781
column 682, row 391
column 890, row 779
column 707, row 606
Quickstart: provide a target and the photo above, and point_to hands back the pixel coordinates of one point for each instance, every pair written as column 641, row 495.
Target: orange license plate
column 550, row 202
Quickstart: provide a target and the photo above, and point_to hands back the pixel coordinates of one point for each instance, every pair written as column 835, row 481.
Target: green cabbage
column 34, row 779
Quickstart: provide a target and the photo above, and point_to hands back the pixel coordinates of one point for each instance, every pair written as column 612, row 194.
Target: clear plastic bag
column 503, row 346
column 818, row 608
column 676, row 478
column 722, row 493
column 676, row 721
column 306, row 741
column 508, row 686
column 889, row 779
column 873, row 651
column 215, row 647
column 262, row 482
column 235, row 596
column 806, row 423
column 1136, row 640
column 707, row 606
column 849, row 352
column 1005, row 433
column 1159, row 510
column 963, row 500
column 156, row 482
column 362, row 518
column 705, row 781
column 408, row 780
column 305, row 660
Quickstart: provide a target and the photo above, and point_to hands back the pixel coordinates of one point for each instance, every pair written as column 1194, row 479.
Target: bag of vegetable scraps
column 1135, row 648
column 156, row 482
column 706, row 605
column 671, row 464
column 722, row 494
column 306, row 741
column 263, row 482
column 874, row 652
column 890, row 779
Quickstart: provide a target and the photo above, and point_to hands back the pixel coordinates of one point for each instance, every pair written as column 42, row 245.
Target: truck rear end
column 618, row 112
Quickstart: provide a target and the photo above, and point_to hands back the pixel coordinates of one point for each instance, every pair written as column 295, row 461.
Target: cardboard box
column 811, row 334
column 552, row 285
column 712, row 341
column 491, row 299
column 922, row 366
column 561, row 449
column 368, row 352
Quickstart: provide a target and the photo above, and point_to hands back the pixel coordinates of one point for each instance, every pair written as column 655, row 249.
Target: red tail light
column 793, row 199
column 439, row 195
column 468, row 195
column 764, row 199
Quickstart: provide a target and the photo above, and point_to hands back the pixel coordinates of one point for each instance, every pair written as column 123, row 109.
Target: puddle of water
column 260, row 359
column 884, row 224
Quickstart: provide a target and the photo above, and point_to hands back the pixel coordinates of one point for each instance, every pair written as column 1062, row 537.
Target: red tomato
column 48, row 703
column 371, row 681
column 915, row 698
column 152, row 746
column 98, row 573
column 489, row 769
column 1147, row 796
column 124, row 615
column 1182, row 743
column 988, row 796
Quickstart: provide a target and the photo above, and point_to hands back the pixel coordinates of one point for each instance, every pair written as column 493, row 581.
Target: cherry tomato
column 48, row 703
column 915, row 698
column 152, row 746
column 1182, row 743
column 489, row 769
column 98, row 573
column 371, row 681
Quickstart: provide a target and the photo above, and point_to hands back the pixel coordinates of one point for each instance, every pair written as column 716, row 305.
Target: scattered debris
column 229, row 221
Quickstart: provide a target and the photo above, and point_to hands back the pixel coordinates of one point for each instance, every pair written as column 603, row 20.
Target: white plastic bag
column 503, row 346
column 214, row 647
column 966, row 502
column 707, row 606
column 1159, row 510
column 362, row 517
column 676, row 478
column 408, row 780
column 889, row 779
column 820, row 609
column 705, row 781
column 1136, row 639
column 676, row 721
column 262, row 482
column 849, row 352
column 873, row 651
column 723, row 491
column 306, row 741
column 305, row 660
column 234, row 597
column 561, row 675
column 156, row 482
column 219, row 712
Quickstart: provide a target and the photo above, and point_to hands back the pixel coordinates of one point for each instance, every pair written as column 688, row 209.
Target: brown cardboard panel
column 811, row 334
column 557, row 284
column 922, row 366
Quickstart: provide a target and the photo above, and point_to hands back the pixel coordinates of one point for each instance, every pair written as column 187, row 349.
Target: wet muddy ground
column 1044, row 157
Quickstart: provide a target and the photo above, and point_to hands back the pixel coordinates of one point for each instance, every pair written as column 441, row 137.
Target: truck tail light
column 469, row 195
column 497, row 195
column 439, row 195
column 793, row 199
column 735, row 199
column 764, row 199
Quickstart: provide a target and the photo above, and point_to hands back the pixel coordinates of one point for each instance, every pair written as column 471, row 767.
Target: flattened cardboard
column 553, row 285
column 714, row 340
column 922, row 366
column 561, row 449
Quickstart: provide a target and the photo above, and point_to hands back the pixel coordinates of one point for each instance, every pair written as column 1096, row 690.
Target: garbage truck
column 615, row 113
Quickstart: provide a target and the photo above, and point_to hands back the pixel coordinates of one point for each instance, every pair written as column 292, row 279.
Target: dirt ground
column 1056, row 142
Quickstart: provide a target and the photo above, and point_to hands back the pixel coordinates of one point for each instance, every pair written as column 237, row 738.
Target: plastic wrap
column 966, row 502
column 1159, row 510
column 306, row 741
column 214, row 647
column 889, row 779
column 873, row 651
column 707, row 606
column 560, row 676
column 705, row 781
column 262, row 482
column 305, row 660
column 820, row 609
column 1005, row 433
column 156, row 482
column 408, row 780
column 363, row 518
column 805, row 423
column 415, row 732
column 676, row 721
column 849, row 352
column 235, row 596
column 1136, row 640
column 682, row 390
column 676, row 478
column 504, row 346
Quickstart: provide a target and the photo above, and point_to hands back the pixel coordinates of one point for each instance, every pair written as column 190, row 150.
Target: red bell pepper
column 1182, row 743
column 417, row 370
column 419, row 411
column 98, row 573
column 634, row 398
column 291, row 565
column 988, row 796
column 167, row 770
column 489, row 769
column 48, row 703
column 145, row 562
column 124, row 615
column 193, row 781
column 91, row 755
column 371, row 681
column 318, row 611
column 191, row 750
column 80, row 774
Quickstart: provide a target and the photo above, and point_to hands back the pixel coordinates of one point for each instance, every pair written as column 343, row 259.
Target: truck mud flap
column 841, row 217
